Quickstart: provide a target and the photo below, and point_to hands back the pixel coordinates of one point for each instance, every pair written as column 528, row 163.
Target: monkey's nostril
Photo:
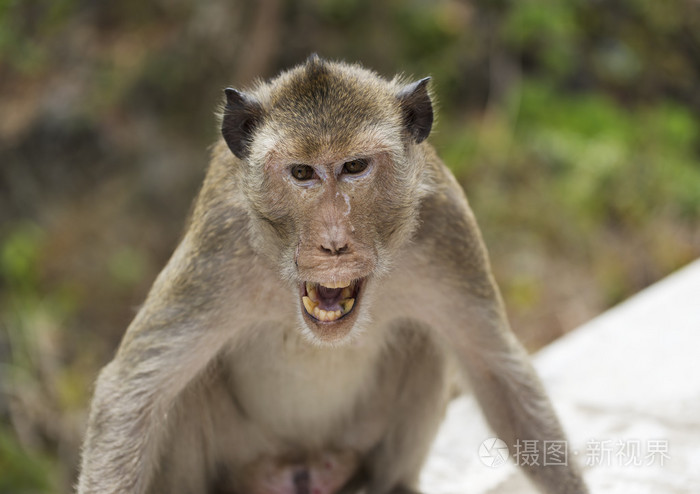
column 334, row 250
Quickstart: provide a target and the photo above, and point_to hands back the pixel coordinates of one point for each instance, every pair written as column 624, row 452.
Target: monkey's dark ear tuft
column 242, row 114
column 417, row 109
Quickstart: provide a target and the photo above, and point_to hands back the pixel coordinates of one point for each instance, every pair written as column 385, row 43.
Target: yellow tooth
column 347, row 305
column 311, row 290
column 308, row 304
column 346, row 293
column 322, row 314
column 336, row 284
column 332, row 315
column 317, row 312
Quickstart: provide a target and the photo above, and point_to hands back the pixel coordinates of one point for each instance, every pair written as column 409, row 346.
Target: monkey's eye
column 355, row 166
column 302, row 172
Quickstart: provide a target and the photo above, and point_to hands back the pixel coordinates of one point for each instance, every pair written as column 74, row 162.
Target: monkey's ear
column 242, row 114
column 417, row 109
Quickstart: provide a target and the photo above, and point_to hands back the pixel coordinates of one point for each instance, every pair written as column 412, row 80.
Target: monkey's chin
column 330, row 309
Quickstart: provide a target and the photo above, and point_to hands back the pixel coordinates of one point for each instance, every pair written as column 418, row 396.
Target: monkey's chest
column 298, row 390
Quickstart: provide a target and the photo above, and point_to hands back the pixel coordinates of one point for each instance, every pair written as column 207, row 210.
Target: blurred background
column 573, row 127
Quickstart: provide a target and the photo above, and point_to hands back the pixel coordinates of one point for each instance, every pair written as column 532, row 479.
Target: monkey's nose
column 333, row 248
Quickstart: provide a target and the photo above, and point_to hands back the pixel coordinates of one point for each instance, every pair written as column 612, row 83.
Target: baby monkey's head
column 330, row 163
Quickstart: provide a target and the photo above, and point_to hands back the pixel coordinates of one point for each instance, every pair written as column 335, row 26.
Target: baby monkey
column 330, row 292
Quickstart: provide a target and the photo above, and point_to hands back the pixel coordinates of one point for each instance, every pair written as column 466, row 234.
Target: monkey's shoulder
column 448, row 236
column 219, row 217
column 444, row 211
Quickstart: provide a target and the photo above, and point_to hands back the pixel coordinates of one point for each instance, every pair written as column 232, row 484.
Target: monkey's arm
column 172, row 338
column 465, row 305
column 189, row 314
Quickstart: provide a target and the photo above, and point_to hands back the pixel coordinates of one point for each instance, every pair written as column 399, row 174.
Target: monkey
column 331, row 289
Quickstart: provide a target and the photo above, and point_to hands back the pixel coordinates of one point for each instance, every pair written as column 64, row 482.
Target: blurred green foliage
column 22, row 473
column 573, row 126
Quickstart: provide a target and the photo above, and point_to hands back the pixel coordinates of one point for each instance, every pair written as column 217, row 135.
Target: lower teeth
column 329, row 315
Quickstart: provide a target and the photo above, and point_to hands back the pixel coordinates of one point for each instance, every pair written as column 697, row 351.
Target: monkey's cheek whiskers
column 328, row 302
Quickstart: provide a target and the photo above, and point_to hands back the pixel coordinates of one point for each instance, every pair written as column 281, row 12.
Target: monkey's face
column 332, row 175
column 336, row 223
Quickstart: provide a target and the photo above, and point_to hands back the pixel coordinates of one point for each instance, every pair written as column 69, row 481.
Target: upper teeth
column 337, row 284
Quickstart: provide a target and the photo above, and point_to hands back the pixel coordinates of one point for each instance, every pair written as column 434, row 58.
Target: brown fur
column 223, row 379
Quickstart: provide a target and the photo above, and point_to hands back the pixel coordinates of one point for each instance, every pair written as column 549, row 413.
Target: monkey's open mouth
column 328, row 302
